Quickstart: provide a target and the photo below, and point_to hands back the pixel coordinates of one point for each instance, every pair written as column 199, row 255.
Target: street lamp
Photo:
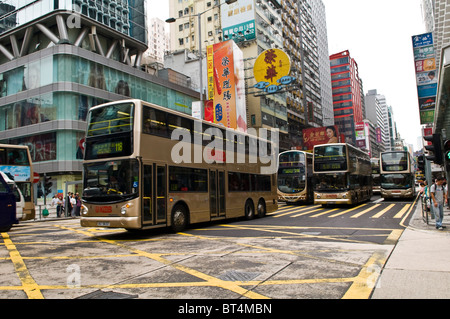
column 198, row 15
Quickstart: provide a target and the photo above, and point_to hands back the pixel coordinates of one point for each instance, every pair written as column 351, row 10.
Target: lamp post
column 198, row 15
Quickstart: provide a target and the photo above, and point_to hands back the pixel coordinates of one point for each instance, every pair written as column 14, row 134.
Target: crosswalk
column 368, row 210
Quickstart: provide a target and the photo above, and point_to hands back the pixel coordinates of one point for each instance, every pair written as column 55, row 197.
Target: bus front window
column 111, row 181
column 331, row 183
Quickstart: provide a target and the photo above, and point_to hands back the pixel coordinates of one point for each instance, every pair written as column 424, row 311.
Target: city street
column 297, row 252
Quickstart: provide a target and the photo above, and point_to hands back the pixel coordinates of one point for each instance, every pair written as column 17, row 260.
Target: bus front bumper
column 111, row 222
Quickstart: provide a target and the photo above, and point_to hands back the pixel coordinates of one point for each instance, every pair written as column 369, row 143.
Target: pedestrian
column 57, row 201
column 73, row 205
column 438, row 199
column 78, row 204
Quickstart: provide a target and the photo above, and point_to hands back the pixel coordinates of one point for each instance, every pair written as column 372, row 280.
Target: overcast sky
column 378, row 35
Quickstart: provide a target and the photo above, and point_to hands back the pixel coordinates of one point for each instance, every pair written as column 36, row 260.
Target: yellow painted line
column 393, row 237
column 310, row 212
column 366, row 280
column 347, row 211
column 365, row 211
column 384, row 211
column 324, row 213
column 294, row 211
column 29, row 286
column 402, row 212
column 215, row 282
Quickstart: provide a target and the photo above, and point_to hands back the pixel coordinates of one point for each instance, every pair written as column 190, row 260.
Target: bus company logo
column 261, row 147
column 103, row 209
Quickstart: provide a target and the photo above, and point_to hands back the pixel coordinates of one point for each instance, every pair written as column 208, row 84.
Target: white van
column 20, row 200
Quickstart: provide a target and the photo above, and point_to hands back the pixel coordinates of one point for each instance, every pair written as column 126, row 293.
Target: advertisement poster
column 426, row 76
column 320, row 135
column 238, row 21
column 226, row 74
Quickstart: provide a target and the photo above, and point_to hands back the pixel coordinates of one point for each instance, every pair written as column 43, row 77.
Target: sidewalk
column 419, row 266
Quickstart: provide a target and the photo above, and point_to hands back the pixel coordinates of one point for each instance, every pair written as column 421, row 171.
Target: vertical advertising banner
column 426, row 76
column 226, row 76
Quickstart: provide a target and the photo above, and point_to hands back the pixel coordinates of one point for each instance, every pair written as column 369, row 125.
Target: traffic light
column 421, row 163
column 447, row 154
column 47, row 185
column 435, row 148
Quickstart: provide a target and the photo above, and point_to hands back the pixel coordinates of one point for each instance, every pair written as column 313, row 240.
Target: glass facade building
column 55, row 65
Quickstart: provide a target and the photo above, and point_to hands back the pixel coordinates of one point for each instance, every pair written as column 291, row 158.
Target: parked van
column 12, row 203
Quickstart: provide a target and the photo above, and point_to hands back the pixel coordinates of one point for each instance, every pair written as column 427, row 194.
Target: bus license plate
column 104, row 224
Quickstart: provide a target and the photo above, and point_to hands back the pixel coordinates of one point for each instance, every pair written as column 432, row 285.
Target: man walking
column 438, row 199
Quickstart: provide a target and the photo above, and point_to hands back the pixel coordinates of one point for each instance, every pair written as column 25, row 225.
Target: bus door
column 217, row 193
column 154, row 195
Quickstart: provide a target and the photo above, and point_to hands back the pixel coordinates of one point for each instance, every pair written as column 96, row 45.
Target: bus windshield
column 396, row 161
column 330, row 158
column 111, row 119
column 111, row 181
column 331, row 183
column 292, row 173
column 397, row 181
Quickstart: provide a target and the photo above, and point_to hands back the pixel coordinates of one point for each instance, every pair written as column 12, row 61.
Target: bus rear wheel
column 179, row 218
column 249, row 210
column 5, row 229
column 261, row 208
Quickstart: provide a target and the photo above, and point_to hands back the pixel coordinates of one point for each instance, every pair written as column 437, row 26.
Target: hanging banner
column 226, row 85
column 426, row 76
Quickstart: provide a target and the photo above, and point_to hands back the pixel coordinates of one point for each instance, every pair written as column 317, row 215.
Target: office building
column 345, row 83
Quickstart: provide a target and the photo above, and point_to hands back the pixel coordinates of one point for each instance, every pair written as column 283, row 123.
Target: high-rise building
column 345, row 83
column 296, row 27
column 58, row 59
column 158, row 43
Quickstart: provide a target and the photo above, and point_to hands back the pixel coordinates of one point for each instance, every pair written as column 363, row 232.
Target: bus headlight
column 84, row 210
column 124, row 208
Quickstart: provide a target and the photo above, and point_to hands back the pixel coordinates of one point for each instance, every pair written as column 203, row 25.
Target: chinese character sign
column 226, row 85
column 271, row 70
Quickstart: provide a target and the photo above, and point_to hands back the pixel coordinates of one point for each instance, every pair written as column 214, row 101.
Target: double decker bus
column 342, row 174
column 295, row 177
column 376, row 175
column 15, row 162
column 397, row 175
column 138, row 176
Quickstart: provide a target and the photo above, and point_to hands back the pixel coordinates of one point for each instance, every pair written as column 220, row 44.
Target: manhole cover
column 233, row 275
column 107, row 295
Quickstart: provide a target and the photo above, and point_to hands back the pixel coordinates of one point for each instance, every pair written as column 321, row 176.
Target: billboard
column 238, row 20
column 320, row 135
column 226, row 86
column 426, row 76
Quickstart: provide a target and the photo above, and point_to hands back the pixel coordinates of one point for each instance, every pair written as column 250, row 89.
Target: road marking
column 309, row 212
column 213, row 281
column 378, row 215
column 324, row 213
column 346, row 211
column 367, row 278
column 30, row 287
column 402, row 212
column 366, row 211
column 293, row 211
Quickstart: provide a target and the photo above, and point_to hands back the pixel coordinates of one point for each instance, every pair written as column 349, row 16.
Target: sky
column 378, row 35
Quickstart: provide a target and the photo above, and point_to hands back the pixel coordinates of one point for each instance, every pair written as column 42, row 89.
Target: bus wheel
column 5, row 229
column 179, row 218
column 261, row 208
column 249, row 210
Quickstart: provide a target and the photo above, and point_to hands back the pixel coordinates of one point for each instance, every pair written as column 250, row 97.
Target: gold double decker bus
column 16, row 163
column 295, row 175
column 342, row 174
column 397, row 175
column 146, row 166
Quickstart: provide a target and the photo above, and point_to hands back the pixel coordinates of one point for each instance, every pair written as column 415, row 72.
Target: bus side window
column 154, row 122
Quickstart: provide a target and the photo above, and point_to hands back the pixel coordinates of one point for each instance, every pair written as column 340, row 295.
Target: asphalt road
column 297, row 252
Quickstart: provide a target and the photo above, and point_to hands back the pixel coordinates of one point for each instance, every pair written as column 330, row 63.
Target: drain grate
column 233, row 275
column 99, row 294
